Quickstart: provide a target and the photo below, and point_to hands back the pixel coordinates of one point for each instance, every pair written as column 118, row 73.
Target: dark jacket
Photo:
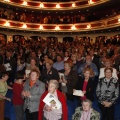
column 53, row 74
column 89, row 87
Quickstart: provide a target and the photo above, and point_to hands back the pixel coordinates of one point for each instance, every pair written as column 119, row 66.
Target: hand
column 84, row 92
column 8, row 99
column 107, row 104
column 24, row 93
column 64, row 81
column 48, row 108
column 60, row 81
column 28, row 94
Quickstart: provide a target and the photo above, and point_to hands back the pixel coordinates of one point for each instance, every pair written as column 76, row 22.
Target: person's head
column 49, row 64
column 34, row 74
column 91, row 52
column 20, row 61
column 108, row 63
column 4, row 76
column 52, row 86
column 33, row 62
column 79, row 56
column 88, row 59
column 73, row 57
column 59, row 58
column 8, row 54
column 33, row 54
column 45, row 57
column 86, row 105
column 68, row 64
column 66, row 54
column 108, row 72
column 20, row 75
column 88, row 72
column 39, row 51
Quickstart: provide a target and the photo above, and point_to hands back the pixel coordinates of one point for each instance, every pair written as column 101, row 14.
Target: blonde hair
column 36, row 70
column 69, row 62
column 50, row 62
column 90, row 70
column 55, row 82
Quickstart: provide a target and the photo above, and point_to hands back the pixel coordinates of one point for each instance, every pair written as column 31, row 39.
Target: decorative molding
column 54, row 5
column 96, row 25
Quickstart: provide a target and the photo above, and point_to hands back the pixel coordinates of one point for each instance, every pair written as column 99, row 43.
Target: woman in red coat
column 47, row 112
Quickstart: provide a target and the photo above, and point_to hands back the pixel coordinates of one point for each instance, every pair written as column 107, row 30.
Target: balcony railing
column 96, row 25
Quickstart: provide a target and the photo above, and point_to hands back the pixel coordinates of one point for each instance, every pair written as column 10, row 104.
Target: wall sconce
column 73, row 4
column 73, row 27
column 41, row 27
column 88, row 26
column 119, row 20
column 24, row 26
column 24, row 3
column 90, row 2
column 7, row 24
column 58, row 6
column 7, row 0
column 57, row 28
column 41, row 5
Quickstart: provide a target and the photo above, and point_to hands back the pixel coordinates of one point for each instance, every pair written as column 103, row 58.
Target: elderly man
column 88, row 64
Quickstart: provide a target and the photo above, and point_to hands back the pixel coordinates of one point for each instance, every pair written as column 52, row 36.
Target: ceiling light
column 58, row 6
column 24, row 3
column 41, row 27
column 7, row 24
column 41, row 5
column 73, row 27
column 73, row 4
column 24, row 26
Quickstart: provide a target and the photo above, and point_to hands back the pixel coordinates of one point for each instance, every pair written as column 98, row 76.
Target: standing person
column 86, row 84
column 46, row 112
column 17, row 98
column 3, row 90
column 32, row 91
column 107, row 93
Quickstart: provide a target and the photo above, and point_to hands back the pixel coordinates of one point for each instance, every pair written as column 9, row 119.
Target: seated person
column 108, row 63
column 86, row 112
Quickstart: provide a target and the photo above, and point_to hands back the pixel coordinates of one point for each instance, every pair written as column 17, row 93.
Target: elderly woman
column 49, row 72
column 32, row 92
column 3, row 90
column 47, row 112
column 86, row 112
column 108, row 63
column 69, row 81
column 107, row 94
column 86, row 84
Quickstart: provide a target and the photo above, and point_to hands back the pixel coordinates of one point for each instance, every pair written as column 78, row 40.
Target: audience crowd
column 56, row 19
column 35, row 69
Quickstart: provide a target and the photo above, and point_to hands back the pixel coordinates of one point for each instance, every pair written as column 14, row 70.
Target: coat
column 78, row 112
column 61, row 98
column 36, row 92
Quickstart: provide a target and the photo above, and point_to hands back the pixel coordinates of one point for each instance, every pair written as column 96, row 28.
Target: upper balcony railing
column 54, row 5
column 96, row 25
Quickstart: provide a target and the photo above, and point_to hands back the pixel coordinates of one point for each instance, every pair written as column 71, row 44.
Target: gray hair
column 55, row 82
column 87, row 100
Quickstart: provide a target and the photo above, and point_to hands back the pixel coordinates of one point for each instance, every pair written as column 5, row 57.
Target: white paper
column 8, row 67
column 51, row 100
column 62, row 76
column 27, row 72
column 78, row 93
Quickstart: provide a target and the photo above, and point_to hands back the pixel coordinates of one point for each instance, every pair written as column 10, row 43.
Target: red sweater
column 17, row 98
column 61, row 98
